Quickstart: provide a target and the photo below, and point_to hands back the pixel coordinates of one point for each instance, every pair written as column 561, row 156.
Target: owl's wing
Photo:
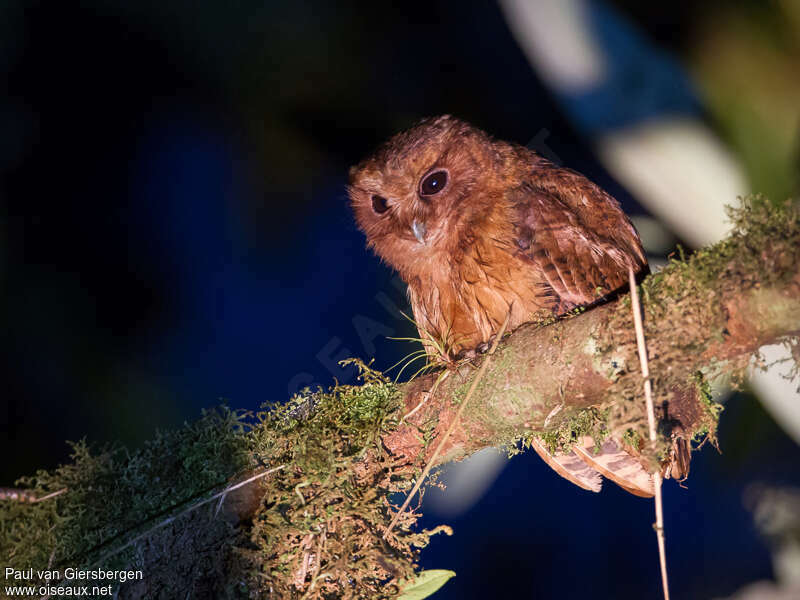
column 581, row 244
column 576, row 236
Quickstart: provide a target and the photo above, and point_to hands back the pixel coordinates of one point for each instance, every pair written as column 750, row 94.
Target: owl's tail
column 586, row 462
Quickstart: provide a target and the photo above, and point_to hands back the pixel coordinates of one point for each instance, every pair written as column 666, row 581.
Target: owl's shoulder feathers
column 573, row 232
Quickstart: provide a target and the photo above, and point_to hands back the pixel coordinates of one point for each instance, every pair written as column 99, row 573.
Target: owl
column 481, row 230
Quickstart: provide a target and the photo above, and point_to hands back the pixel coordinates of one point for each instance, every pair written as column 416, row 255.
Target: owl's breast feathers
column 551, row 243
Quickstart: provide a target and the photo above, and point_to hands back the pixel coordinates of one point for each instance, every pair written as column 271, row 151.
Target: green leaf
column 425, row 584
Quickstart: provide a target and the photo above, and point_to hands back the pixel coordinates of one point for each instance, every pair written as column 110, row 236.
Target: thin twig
column 651, row 422
column 450, row 429
column 27, row 496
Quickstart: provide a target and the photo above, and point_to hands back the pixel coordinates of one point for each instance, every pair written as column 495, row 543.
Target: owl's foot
column 467, row 354
column 462, row 355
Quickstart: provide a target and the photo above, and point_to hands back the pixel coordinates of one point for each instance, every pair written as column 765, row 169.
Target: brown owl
column 479, row 228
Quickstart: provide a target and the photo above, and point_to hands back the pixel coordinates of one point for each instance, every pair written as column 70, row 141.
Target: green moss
column 587, row 421
column 712, row 408
column 756, row 224
column 633, row 438
column 325, row 503
column 113, row 495
column 322, row 503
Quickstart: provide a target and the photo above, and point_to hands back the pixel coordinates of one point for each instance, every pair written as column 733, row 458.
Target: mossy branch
column 313, row 528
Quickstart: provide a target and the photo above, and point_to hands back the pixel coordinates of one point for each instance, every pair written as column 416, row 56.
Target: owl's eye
column 379, row 204
column 433, row 183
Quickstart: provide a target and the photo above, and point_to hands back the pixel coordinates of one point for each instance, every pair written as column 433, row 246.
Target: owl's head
column 418, row 190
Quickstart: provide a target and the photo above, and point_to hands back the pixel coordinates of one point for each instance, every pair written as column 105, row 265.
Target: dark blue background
column 176, row 232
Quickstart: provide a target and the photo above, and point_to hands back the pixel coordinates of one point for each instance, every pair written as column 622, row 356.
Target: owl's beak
column 419, row 231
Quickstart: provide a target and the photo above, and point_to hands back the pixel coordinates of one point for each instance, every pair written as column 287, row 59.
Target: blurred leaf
column 426, row 583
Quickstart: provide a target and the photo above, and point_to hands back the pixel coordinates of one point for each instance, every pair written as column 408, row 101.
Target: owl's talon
column 465, row 355
column 468, row 354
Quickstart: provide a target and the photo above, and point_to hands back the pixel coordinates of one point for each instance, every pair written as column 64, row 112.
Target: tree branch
column 314, row 527
column 590, row 359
